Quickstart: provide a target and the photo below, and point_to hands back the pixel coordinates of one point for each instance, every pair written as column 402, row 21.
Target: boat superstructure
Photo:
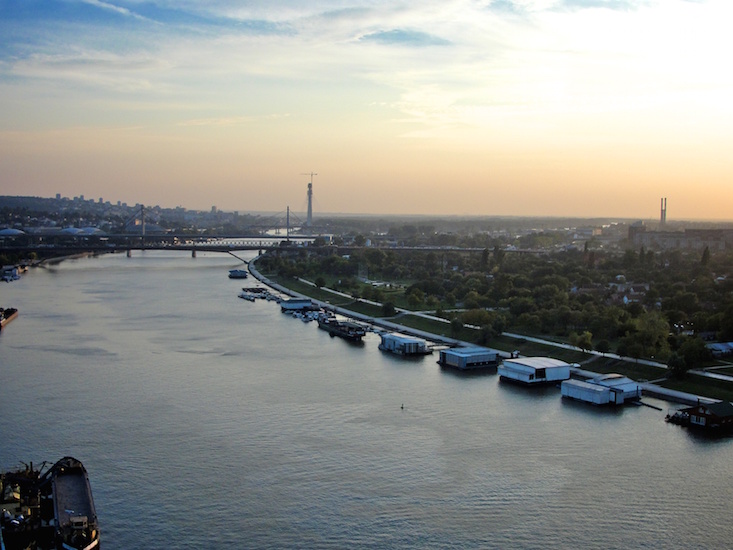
column 48, row 510
column 345, row 329
column 75, row 518
column 6, row 315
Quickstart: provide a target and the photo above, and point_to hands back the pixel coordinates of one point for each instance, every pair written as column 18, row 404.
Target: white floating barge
column 613, row 389
column 297, row 304
column 534, row 371
column 401, row 344
column 467, row 358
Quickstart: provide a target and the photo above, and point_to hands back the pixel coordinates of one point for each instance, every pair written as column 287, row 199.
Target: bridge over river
column 65, row 244
column 68, row 244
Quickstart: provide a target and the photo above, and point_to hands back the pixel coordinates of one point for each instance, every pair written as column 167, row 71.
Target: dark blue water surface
column 206, row 421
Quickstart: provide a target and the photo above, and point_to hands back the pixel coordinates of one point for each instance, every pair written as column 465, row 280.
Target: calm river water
column 206, row 421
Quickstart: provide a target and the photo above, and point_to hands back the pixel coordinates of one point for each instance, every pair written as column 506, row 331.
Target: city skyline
column 500, row 108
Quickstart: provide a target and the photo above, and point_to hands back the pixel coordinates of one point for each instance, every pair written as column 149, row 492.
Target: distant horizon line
column 400, row 215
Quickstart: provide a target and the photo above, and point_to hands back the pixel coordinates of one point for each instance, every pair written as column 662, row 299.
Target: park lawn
column 632, row 369
column 698, row 385
column 428, row 325
column 364, row 308
column 310, row 290
column 531, row 349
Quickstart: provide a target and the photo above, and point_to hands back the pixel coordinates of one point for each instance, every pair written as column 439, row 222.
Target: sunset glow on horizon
column 585, row 108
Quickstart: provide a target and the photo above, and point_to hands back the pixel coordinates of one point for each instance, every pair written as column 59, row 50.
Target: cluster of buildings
column 605, row 389
column 684, row 239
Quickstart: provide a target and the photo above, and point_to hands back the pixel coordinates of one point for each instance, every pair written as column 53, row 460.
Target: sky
column 587, row 108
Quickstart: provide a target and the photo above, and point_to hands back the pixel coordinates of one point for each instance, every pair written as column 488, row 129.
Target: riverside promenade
column 381, row 323
column 649, row 388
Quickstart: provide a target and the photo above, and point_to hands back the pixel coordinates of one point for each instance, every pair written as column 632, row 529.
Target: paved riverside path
column 381, row 323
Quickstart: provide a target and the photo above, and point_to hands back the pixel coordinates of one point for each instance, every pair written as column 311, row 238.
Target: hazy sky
column 503, row 107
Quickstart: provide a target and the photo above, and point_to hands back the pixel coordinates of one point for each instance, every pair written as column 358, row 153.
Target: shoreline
column 649, row 389
column 387, row 325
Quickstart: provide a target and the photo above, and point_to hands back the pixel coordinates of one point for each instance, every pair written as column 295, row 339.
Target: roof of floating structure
column 468, row 351
column 537, row 362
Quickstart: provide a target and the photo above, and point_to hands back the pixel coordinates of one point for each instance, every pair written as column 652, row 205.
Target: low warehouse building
column 624, row 388
column 601, row 390
column 468, row 358
column 585, row 391
column 404, row 345
column 534, row 370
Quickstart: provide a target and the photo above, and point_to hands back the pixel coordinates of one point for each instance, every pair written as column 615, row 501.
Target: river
column 206, row 421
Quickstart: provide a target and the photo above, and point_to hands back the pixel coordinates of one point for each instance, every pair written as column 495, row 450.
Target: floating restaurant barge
column 401, row 344
column 297, row 304
column 51, row 510
column 613, row 389
column 534, row 371
column 468, row 358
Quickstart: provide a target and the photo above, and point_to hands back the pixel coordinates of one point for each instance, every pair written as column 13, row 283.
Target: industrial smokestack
column 663, row 212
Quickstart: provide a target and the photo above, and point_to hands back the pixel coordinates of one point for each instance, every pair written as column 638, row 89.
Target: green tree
column 694, row 352
column 677, row 366
column 320, row 282
column 498, row 254
column 705, row 260
column 456, row 326
column 476, row 317
column 485, row 258
column 603, row 346
column 388, row 309
column 585, row 341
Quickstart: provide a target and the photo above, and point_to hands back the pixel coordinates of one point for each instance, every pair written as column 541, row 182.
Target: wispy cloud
column 405, row 37
column 114, row 8
column 550, row 56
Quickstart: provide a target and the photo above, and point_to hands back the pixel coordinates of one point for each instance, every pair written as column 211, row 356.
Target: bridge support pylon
column 129, row 253
column 193, row 253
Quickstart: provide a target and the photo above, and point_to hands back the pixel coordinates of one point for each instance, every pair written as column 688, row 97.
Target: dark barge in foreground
column 48, row 510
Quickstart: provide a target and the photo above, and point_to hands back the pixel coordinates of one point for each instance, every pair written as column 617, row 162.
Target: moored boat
column 345, row 329
column 238, row 274
column 48, row 510
column 7, row 315
column 20, row 520
column 75, row 518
